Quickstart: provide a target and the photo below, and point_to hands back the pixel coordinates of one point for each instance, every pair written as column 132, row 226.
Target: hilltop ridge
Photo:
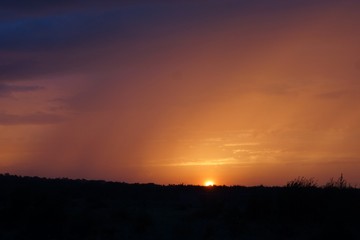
column 40, row 208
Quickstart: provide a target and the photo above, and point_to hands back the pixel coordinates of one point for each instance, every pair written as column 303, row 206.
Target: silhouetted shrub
column 340, row 183
column 302, row 182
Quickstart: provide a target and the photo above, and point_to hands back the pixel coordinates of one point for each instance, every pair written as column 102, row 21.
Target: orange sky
column 236, row 92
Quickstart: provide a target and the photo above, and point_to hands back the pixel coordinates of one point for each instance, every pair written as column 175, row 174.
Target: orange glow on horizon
column 209, row 183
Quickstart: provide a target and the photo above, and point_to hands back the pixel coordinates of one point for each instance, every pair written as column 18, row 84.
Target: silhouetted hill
column 38, row 208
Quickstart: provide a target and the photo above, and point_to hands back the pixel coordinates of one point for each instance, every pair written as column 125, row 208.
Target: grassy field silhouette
column 40, row 208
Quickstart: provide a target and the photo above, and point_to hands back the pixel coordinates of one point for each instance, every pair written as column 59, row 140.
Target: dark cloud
column 43, row 4
column 60, row 6
column 12, row 9
column 125, row 19
column 8, row 90
column 21, row 68
column 73, row 41
column 53, row 33
column 50, row 37
column 92, row 37
column 38, row 118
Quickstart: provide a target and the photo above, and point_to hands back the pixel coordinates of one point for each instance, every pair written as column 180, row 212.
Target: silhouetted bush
column 302, row 182
column 339, row 183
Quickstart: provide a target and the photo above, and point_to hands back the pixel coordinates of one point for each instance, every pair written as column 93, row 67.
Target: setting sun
column 209, row 183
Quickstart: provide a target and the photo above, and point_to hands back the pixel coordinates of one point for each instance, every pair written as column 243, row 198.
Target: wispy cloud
column 7, row 90
column 205, row 162
column 240, row 144
column 30, row 119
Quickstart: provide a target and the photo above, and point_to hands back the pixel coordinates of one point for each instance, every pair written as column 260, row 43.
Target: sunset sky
column 240, row 92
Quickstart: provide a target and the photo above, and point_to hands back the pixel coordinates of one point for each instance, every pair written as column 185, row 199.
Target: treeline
column 40, row 208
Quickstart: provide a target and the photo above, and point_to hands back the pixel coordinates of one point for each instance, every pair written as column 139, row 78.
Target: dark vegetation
column 38, row 208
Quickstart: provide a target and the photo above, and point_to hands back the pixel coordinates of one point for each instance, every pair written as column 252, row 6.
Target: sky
column 233, row 91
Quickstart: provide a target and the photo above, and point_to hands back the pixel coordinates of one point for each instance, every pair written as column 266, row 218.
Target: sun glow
column 209, row 184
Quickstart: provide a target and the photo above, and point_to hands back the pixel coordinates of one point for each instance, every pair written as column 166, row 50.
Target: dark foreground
column 36, row 208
